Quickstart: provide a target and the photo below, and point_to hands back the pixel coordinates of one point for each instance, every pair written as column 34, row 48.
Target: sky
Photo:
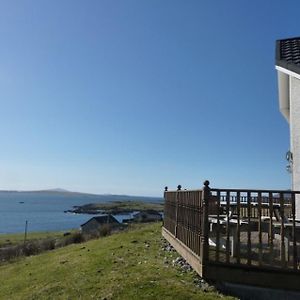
column 126, row 97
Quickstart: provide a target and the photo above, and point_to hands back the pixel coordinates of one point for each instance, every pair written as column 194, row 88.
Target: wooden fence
column 182, row 217
column 232, row 233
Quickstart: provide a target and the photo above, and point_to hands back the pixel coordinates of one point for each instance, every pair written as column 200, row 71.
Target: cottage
column 147, row 216
column 94, row 224
column 288, row 69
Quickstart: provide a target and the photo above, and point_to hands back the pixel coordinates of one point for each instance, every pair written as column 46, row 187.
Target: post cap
column 166, row 188
column 206, row 183
column 179, row 187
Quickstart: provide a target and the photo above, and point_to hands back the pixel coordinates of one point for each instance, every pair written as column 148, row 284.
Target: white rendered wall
column 295, row 136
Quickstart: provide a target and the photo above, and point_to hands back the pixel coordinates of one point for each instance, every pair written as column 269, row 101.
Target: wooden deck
column 239, row 236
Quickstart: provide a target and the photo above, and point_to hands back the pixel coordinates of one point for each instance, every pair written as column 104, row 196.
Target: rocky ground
column 171, row 257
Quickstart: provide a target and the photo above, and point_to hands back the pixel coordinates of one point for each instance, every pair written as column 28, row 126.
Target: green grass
column 17, row 238
column 126, row 265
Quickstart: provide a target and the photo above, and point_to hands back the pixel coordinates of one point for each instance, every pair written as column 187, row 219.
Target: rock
column 180, row 262
column 168, row 248
column 203, row 285
column 184, row 267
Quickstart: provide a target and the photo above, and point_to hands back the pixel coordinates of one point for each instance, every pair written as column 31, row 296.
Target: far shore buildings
column 288, row 69
column 95, row 224
column 147, row 216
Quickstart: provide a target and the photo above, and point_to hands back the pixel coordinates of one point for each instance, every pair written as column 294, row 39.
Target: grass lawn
column 16, row 238
column 126, row 265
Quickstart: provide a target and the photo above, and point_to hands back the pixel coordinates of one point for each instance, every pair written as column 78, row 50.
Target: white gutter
column 288, row 72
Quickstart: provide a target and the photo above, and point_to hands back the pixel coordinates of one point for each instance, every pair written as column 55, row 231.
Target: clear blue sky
column 129, row 96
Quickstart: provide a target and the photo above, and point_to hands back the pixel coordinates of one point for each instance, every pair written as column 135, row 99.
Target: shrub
column 30, row 248
column 105, row 230
column 9, row 253
column 61, row 243
column 74, row 238
column 33, row 247
column 78, row 237
column 47, row 244
column 92, row 235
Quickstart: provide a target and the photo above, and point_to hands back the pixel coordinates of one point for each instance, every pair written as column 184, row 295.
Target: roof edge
column 288, row 66
column 279, row 61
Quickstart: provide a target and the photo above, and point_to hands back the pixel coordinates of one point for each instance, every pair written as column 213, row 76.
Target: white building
column 288, row 69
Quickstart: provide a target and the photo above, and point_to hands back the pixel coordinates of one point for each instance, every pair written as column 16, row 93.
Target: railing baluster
column 189, row 219
column 189, row 203
column 199, row 219
column 194, row 223
column 194, row 229
column 249, row 228
column 259, row 229
column 205, row 241
column 295, row 256
column 271, row 234
column 227, row 227
column 282, row 233
column 176, row 214
column 218, row 228
column 238, row 229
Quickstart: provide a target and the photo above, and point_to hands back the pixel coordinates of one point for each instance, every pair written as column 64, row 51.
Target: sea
column 45, row 211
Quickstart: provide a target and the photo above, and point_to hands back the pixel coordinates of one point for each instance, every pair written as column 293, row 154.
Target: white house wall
column 295, row 136
column 283, row 90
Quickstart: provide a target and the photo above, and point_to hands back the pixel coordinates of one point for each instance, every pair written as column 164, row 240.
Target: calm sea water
column 45, row 210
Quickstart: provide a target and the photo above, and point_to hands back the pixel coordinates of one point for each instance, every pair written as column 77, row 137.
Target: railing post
column 205, row 226
column 176, row 213
column 165, row 191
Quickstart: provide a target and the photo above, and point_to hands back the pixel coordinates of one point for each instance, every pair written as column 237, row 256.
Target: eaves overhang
column 288, row 55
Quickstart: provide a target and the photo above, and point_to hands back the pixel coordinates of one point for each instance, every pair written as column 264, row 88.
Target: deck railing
column 182, row 217
column 254, row 229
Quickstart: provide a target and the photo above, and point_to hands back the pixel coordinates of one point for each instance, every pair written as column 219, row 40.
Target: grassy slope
column 120, row 266
column 17, row 238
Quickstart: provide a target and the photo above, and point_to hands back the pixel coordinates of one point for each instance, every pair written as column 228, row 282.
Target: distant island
column 117, row 207
column 56, row 190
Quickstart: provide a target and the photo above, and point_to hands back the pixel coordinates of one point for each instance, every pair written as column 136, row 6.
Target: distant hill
column 56, row 190
column 62, row 193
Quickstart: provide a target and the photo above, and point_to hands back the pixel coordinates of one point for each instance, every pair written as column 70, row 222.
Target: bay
column 44, row 210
